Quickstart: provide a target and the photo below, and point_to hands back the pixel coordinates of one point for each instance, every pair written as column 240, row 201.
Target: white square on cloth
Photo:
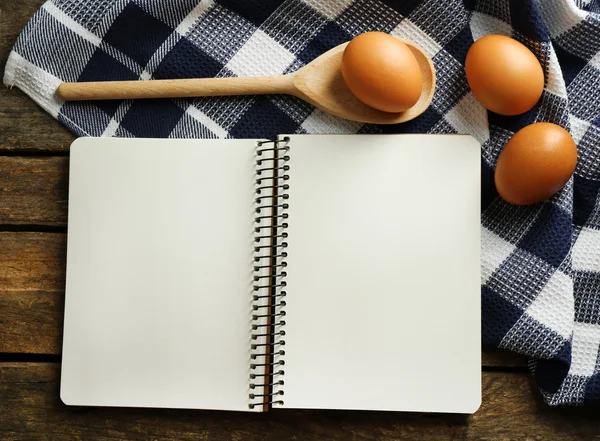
column 586, row 252
column 553, row 307
column 330, row 9
column 260, row 55
column 492, row 260
column 407, row 29
column 469, row 116
column 578, row 128
column 484, row 24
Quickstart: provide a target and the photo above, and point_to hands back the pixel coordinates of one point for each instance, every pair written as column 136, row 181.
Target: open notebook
column 317, row 271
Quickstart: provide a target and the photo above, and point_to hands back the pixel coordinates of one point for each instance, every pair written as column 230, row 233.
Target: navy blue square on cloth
column 460, row 44
column 404, row 7
column 584, row 199
column 137, row 34
column 570, row 64
column 103, row 67
column 488, row 186
column 499, row 315
column 255, row 11
column 273, row 121
column 592, row 391
column 152, row 118
column 526, row 19
column 550, row 373
column 186, row 60
column 550, row 235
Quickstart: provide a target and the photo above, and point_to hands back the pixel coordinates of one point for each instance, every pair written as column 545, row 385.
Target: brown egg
column 382, row 72
column 535, row 163
column 504, row 75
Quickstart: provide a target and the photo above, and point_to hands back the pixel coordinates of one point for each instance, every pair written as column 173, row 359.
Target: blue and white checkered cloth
column 540, row 264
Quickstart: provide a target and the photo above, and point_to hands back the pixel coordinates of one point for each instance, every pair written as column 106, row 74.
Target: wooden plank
column 32, row 273
column 33, row 190
column 30, row 408
column 23, row 125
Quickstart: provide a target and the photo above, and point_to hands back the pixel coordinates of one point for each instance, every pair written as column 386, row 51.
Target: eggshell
column 504, row 75
column 382, row 72
column 535, row 163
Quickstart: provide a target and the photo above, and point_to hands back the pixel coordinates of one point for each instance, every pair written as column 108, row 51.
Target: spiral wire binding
column 268, row 301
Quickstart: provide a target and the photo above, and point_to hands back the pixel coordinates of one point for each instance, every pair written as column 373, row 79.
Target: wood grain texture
column 32, row 274
column 30, row 409
column 33, row 190
column 23, row 125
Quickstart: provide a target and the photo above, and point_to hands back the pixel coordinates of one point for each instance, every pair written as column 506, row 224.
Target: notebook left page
column 159, row 273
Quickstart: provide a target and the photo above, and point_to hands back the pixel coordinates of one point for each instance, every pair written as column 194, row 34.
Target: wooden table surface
column 34, row 162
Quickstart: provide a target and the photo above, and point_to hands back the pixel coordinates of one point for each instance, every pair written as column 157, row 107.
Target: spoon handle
column 116, row 90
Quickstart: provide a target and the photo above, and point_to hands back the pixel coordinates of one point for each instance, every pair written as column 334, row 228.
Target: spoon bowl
column 320, row 83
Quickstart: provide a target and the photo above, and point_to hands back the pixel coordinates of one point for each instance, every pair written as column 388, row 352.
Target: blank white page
column 383, row 294
column 159, row 275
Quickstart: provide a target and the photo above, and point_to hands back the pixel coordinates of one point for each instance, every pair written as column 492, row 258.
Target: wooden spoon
column 320, row 83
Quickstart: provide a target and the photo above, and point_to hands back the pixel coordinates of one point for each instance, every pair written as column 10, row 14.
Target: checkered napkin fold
column 540, row 264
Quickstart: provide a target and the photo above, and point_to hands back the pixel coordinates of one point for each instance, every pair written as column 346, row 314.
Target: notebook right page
column 383, row 273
